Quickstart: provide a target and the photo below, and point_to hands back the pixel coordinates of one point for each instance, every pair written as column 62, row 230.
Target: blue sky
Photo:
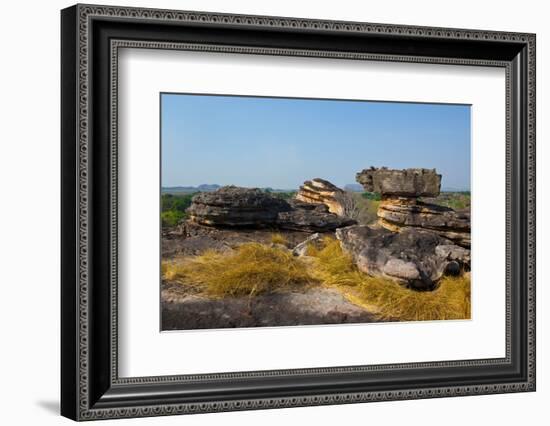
column 281, row 142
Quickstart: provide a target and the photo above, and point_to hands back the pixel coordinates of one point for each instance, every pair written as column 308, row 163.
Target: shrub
column 349, row 204
column 375, row 196
column 173, row 207
column 171, row 218
column 179, row 202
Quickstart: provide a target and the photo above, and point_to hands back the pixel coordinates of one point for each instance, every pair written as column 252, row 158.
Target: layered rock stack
column 232, row 206
column 320, row 191
column 400, row 207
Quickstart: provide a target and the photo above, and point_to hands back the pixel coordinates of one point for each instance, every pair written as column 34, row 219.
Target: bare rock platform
column 313, row 306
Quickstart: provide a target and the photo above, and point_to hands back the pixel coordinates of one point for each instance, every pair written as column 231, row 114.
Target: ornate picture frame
column 90, row 39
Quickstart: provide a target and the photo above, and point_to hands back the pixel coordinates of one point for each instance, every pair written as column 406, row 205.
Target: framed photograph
column 263, row 212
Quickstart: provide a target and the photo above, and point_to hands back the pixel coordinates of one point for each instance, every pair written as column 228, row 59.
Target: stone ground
column 184, row 307
column 192, row 240
column 311, row 306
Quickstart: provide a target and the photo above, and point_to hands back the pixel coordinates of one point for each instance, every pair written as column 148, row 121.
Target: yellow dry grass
column 255, row 268
column 333, row 267
column 279, row 239
column 252, row 268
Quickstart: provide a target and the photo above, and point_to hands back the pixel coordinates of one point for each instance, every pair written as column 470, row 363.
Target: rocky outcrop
column 412, row 257
column 235, row 206
column 400, row 207
column 320, row 191
column 397, row 214
column 232, row 206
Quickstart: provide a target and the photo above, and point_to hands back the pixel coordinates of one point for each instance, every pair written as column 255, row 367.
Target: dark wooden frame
column 90, row 386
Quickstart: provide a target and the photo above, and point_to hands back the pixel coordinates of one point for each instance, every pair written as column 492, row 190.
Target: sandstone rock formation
column 398, row 214
column 320, row 191
column 412, row 257
column 400, row 207
column 232, row 206
column 400, row 183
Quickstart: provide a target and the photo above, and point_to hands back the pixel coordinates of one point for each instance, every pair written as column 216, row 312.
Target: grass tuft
column 251, row 269
column 279, row 239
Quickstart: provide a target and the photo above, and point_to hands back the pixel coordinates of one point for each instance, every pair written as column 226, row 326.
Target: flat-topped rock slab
column 401, row 183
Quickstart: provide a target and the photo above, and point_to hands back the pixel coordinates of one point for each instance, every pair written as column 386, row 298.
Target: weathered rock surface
column 191, row 239
column 235, row 206
column 305, row 307
column 403, row 183
column 413, row 257
column 396, row 214
column 320, row 191
column 301, row 249
column 310, row 217
column 400, row 208
column 232, row 206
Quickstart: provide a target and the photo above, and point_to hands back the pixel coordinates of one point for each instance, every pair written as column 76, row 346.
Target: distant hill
column 184, row 189
column 208, row 188
column 353, row 187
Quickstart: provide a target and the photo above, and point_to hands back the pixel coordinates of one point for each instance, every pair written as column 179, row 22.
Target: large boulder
column 236, row 206
column 414, row 257
column 402, row 183
column 320, row 191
